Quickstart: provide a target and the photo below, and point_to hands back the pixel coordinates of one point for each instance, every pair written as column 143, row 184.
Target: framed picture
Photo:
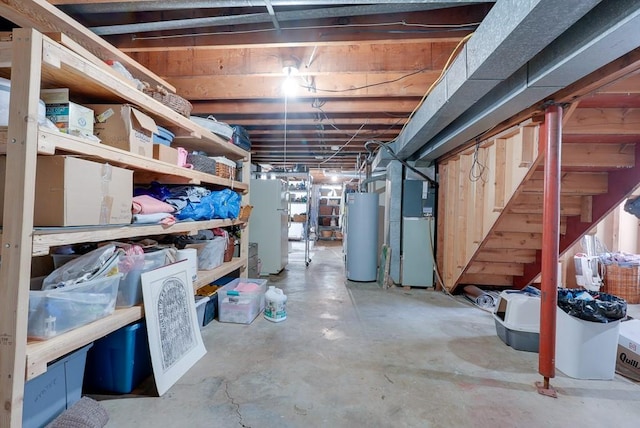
column 175, row 342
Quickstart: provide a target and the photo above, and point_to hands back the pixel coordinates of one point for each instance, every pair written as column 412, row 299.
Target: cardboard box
column 124, row 127
column 165, row 154
column 628, row 357
column 75, row 192
column 69, row 117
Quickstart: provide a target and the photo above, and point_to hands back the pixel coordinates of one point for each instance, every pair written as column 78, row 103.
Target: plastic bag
column 98, row 263
column 226, row 204
column 632, row 206
column 603, row 308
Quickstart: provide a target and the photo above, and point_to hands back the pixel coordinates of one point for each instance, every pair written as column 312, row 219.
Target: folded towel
column 145, row 204
column 165, row 219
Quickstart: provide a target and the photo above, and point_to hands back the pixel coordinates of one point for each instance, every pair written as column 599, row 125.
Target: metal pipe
column 550, row 241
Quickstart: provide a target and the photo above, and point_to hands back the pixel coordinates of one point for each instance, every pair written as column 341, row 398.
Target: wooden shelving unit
column 40, row 62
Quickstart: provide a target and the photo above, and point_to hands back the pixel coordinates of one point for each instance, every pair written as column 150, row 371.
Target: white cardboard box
column 628, row 357
column 69, row 117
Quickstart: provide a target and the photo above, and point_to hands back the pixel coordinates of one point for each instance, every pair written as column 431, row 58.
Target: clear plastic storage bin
column 52, row 312
column 132, row 267
column 241, row 307
column 210, row 252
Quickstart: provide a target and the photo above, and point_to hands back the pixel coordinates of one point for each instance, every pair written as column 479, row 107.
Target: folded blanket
column 161, row 218
column 145, row 204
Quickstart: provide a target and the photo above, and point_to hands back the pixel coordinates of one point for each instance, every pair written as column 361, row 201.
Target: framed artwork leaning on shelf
column 175, row 342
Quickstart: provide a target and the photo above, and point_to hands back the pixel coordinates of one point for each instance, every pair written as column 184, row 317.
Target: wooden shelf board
column 207, row 276
column 45, row 238
column 51, row 140
column 39, row 353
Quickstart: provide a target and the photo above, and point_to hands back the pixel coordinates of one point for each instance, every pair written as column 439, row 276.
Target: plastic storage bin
column 240, row 307
column 132, row 267
column 517, row 319
column 49, row 394
column 210, row 252
column 585, row 349
column 201, row 304
column 52, row 312
column 119, row 361
column 211, row 309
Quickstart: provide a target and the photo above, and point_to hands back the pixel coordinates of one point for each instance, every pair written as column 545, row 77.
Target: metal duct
column 149, row 6
column 254, row 18
column 507, row 38
column 602, row 36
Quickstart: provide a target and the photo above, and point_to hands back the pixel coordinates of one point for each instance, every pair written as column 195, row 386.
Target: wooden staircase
column 491, row 194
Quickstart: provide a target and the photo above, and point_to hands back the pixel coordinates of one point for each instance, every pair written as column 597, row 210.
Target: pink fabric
column 247, row 287
column 182, row 158
column 145, row 204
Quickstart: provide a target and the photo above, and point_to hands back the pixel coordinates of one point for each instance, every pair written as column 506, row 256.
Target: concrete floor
column 354, row 355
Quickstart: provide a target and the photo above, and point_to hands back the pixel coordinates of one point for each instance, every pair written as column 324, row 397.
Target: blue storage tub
column 119, row 361
column 54, row 391
column 211, row 309
column 164, row 136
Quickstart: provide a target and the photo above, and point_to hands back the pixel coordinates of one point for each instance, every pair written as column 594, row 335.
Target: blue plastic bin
column 119, row 361
column 54, row 391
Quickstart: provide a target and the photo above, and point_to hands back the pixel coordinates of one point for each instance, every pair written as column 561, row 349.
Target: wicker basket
column 224, row 171
column 225, row 168
column 173, row 101
column 623, row 282
column 245, row 212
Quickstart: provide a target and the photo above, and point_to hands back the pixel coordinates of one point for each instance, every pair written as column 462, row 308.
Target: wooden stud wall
column 475, row 186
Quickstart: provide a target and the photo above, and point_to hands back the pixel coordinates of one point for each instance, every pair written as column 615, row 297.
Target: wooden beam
column 330, row 60
column 258, row 123
column 529, row 203
column 18, row 221
column 336, row 85
column 301, row 105
column 486, row 279
column 531, row 223
column 573, row 183
column 515, row 240
column 509, row 255
column 495, row 268
column 619, row 121
column 598, row 156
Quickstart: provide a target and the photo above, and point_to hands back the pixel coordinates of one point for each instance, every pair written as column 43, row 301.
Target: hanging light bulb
column 290, row 70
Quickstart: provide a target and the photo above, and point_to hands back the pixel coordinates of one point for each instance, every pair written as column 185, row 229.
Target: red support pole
column 550, row 246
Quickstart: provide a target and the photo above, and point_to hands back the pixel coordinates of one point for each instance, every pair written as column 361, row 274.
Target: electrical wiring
column 345, row 144
column 448, row 27
column 357, row 88
column 478, row 169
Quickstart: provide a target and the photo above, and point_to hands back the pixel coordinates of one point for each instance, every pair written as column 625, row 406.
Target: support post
column 550, row 247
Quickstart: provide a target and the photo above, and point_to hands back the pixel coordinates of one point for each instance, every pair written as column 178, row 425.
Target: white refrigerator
column 269, row 223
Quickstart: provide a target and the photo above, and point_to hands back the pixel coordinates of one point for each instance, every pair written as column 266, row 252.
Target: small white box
column 68, row 116
column 628, row 358
column 585, row 349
